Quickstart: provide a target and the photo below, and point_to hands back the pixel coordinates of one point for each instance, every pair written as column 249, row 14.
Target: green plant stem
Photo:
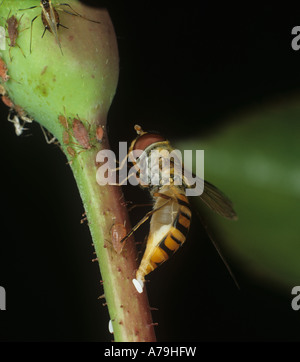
column 104, row 205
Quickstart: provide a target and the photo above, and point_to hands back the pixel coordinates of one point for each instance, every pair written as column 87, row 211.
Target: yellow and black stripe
column 177, row 234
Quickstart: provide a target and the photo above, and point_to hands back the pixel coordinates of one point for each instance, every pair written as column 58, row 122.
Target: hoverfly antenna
column 138, row 129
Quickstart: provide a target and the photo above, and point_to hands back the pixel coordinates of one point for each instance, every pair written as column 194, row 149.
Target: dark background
column 183, row 68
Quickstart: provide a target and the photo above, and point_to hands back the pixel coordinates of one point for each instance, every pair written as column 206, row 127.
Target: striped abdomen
column 168, row 229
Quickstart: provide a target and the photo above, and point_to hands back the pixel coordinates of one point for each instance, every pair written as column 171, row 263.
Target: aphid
column 81, row 134
column 99, row 133
column 171, row 214
column 63, row 121
column 66, row 138
column 13, row 33
column 118, row 232
column 16, row 121
column 2, row 90
column 44, row 70
column 15, row 113
column 71, row 151
column 7, row 101
column 50, row 18
column 22, row 114
column 3, row 71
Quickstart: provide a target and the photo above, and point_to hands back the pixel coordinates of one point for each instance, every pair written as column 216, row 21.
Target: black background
column 183, row 68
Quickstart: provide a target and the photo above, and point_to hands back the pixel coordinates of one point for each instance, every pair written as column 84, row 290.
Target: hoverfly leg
column 145, row 218
column 122, row 163
column 164, row 196
column 121, row 166
column 123, row 181
column 138, row 205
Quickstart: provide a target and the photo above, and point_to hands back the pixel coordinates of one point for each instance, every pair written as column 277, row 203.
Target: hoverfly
column 50, row 18
column 171, row 213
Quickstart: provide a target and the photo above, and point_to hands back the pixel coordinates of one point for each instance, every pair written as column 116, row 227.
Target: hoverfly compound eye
column 146, row 140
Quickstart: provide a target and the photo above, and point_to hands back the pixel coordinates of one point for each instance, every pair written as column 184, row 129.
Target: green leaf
column 254, row 160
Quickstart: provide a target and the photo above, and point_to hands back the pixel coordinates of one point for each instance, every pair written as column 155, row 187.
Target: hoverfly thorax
column 154, row 157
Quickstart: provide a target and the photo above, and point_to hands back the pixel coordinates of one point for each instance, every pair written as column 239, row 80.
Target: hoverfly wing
column 217, row 201
column 210, row 195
